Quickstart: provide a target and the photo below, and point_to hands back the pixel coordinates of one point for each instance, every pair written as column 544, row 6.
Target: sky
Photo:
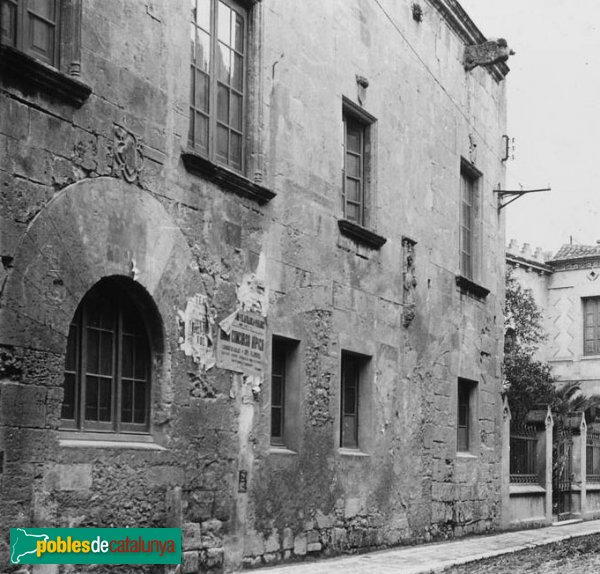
column 553, row 92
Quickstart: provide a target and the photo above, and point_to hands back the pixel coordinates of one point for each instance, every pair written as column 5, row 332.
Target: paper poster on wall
column 241, row 343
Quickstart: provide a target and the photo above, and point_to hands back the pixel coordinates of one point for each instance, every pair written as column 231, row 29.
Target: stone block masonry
column 99, row 208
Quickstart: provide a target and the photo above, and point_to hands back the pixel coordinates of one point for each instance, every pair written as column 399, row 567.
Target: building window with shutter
column 218, row 81
column 358, row 161
column 591, row 326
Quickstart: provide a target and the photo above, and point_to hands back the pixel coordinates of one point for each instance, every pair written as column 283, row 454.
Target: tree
column 528, row 383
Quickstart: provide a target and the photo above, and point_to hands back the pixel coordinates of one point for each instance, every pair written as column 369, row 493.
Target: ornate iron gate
column 562, row 472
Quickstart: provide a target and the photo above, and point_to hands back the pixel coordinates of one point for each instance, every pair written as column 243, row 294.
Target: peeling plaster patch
column 252, row 293
column 197, row 339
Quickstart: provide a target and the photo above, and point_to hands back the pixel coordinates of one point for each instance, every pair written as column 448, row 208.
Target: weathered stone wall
column 69, row 219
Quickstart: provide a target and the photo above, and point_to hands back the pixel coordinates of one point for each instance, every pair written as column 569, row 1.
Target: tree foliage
column 529, row 383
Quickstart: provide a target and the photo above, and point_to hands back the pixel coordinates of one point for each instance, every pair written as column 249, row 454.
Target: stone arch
column 93, row 229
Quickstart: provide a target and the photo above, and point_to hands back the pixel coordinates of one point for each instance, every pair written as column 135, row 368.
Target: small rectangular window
column 284, row 391
column 465, row 415
column 591, row 326
column 353, row 370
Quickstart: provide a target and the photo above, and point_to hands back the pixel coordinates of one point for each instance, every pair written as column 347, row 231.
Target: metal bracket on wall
column 515, row 194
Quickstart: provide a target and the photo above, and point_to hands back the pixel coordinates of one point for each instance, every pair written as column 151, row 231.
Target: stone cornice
column 460, row 22
column 575, row 263
column 519, row 261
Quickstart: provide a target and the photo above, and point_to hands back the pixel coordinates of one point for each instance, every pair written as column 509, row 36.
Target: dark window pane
column 8, row 22
column 139, row 403
column 236, row 111
column 277, row 391
column 201, row 50
column 141, row 360
column 224, row 23
column 353, row 138
column 91, row 398
column 237, row 73
column 68, row 406
column 276, row 423
column 93, row 351
column 127, row 356
column 238, row 33
column 349, row 400
column 106, row 353
column 201, row 95
column 223, row 104
column 236, row 150
column 352, row 190
column 200, row 132
column 223, row 63
column 353, row 165
column 104, row 399
column 127, row 401
column 223, row 142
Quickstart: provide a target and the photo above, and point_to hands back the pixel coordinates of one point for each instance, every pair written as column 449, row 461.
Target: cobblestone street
column 578, row 556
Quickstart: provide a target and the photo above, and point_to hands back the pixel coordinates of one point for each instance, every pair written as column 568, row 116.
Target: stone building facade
column 565, row 286
column 263, row 304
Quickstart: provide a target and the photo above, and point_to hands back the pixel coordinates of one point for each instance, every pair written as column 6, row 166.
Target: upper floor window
column 591, row 326
column 467, row 223
column 33, row 27
column 357, row 163
column 107, row 366
column 218, row 82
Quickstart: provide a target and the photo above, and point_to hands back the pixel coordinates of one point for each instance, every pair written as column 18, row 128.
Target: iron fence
column 523, row 454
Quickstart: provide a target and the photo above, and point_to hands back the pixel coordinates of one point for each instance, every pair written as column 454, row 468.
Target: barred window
column 218, row 82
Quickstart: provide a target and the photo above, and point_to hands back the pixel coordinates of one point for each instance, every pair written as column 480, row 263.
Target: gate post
column 505, row 470
column 583, row 465
column 549, row 423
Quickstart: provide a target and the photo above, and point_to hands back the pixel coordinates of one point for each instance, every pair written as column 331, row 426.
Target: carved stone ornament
column 409, row 281
column 549, row 421
column 487, row 54
column 127, row 154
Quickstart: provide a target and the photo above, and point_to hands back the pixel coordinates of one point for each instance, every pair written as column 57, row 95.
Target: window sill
column 361, row 234
column 517, row 489
column 471, row 288
column 75, row 439
column 466, row 455
column 276, row 449
column 47, row 79
column 225, row 178
column 353, row 452
column 592, row 486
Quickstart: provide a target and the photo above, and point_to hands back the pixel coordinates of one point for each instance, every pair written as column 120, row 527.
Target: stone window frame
column 285, row 350
column 356, row 366
column 466, row 416
column 361, row 229
column 587, row 303
column 59, row 76
column 246, row 182
column 80, row 428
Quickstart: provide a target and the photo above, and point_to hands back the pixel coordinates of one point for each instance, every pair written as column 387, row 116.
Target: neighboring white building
column 566, row 286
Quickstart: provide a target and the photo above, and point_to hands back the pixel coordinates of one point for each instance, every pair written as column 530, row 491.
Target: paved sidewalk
column 427, row 558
